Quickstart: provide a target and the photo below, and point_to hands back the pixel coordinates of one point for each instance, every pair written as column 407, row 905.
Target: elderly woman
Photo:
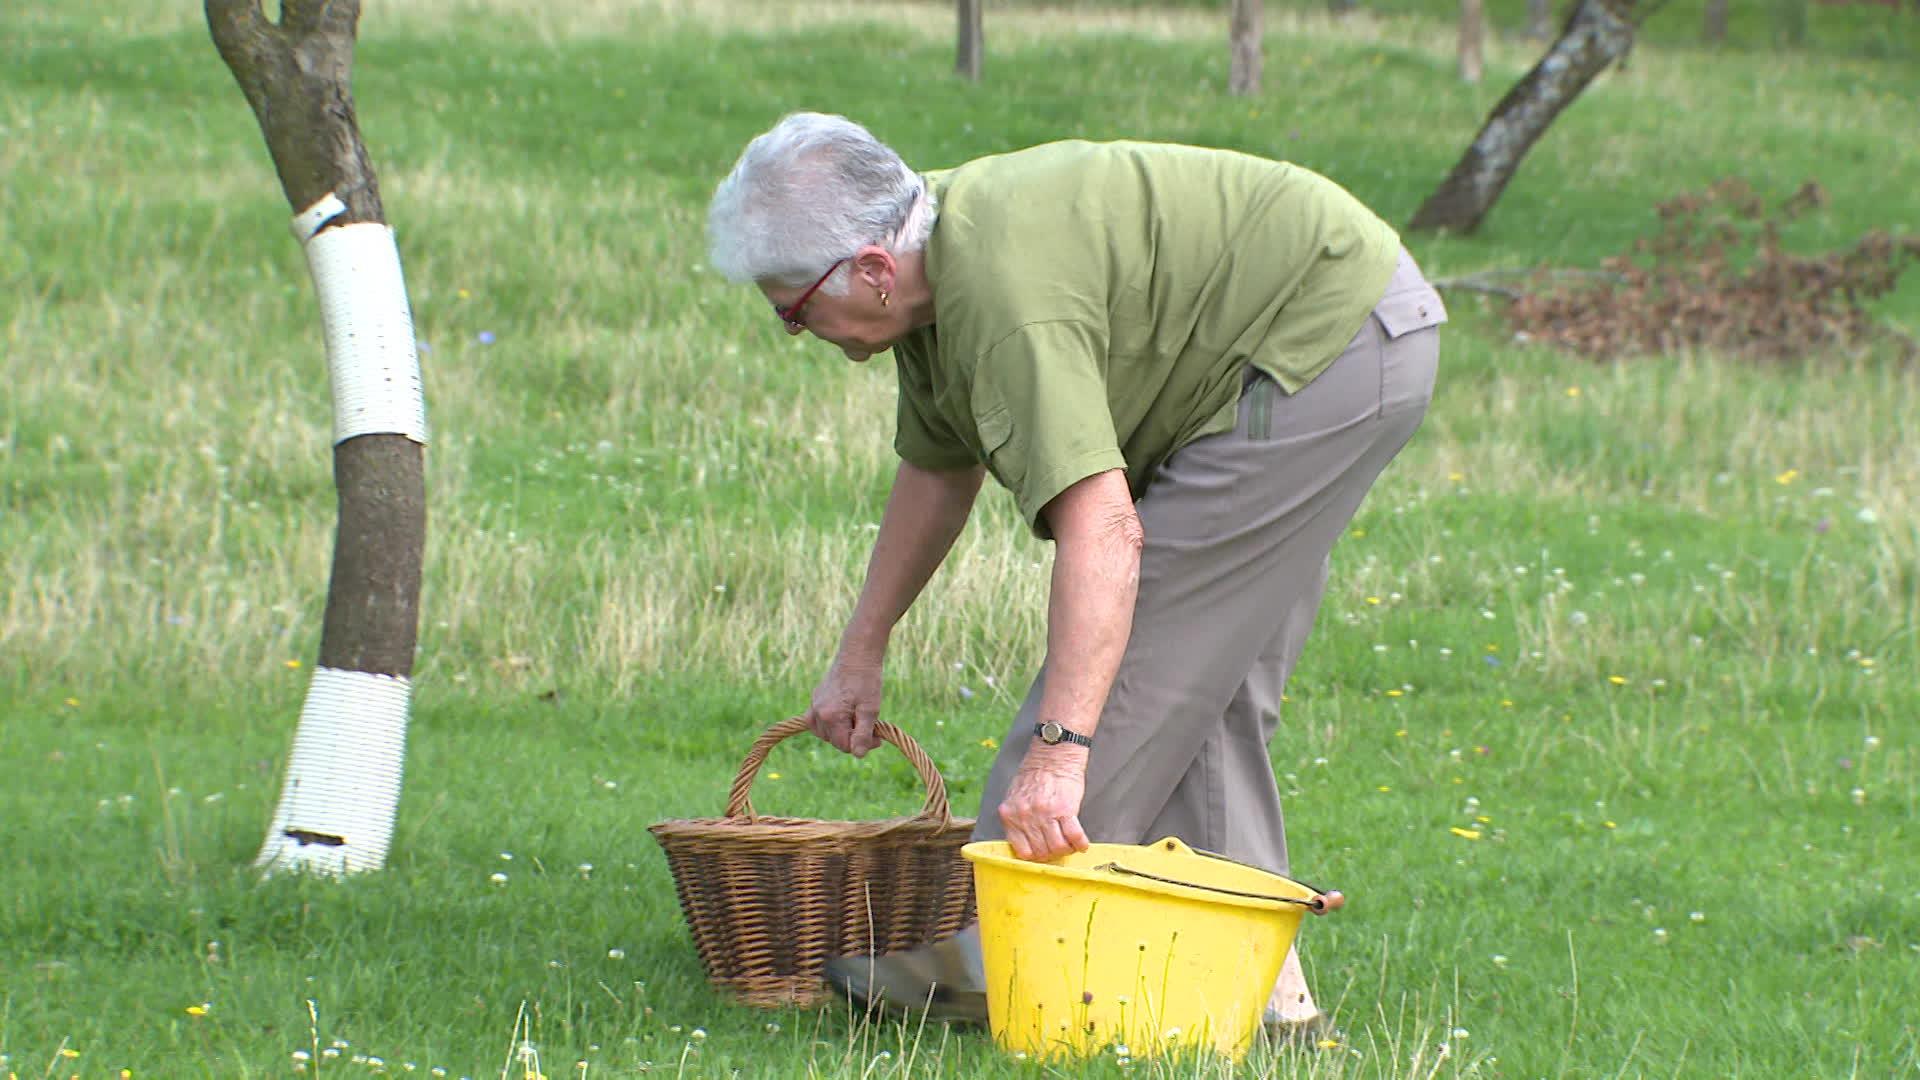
column 1188, row 366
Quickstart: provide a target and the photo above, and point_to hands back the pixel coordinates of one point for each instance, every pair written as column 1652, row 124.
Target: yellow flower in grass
column 990, row 742
column 1465, row 834
column 1617, row 680
column 1787, row 477
column 198, row 1010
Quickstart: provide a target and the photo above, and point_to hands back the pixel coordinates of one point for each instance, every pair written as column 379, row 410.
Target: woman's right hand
column 846, row 705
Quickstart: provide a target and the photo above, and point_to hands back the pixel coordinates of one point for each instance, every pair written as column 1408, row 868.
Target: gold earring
column 883, row 298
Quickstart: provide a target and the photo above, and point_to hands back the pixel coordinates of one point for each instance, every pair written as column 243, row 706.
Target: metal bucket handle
column 1322, row 902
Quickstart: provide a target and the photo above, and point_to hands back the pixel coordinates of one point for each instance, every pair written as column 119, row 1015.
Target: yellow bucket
column 1156, row 947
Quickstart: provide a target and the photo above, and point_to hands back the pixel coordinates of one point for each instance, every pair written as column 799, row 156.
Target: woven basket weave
column 769, row 900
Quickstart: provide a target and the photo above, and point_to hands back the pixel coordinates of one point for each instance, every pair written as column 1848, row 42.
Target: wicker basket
column 770, row 900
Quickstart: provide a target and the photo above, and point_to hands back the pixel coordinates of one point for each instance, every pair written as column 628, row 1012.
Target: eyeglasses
column 790, row 315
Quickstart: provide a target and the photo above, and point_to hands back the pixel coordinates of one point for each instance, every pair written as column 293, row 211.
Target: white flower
column 498, row 878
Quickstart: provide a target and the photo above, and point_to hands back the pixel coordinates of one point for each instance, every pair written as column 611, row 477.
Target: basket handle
column 935, row 807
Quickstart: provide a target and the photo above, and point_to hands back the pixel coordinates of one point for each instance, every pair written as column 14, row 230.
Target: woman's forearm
column 925, row 514
column 1096, row 578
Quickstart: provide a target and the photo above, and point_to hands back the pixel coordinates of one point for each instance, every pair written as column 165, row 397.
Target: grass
column 1644, row 630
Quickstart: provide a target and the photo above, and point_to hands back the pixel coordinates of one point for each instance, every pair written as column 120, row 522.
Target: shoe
column 938, row 981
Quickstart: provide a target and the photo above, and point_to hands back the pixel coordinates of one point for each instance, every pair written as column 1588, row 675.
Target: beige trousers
column 1238, row 531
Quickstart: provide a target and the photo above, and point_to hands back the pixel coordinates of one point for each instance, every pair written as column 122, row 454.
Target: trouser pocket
column 1260, row 407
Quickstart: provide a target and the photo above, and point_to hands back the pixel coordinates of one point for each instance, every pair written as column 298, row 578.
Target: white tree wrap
column 371, row 355
column 342, row 788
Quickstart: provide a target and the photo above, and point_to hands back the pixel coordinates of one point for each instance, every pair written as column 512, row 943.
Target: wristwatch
column 1053, row 734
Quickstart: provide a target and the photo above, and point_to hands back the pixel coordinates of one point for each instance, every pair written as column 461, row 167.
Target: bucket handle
column 935, row 808
column 1320, row 904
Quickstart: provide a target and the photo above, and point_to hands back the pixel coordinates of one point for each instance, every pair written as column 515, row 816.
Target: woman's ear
column 874, row 265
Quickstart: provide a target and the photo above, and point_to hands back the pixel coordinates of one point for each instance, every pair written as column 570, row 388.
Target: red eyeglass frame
column 790, row 315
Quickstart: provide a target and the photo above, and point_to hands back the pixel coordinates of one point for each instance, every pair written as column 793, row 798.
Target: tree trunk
column 1473, row 33
column 342, row 786
column 1244, row 40
column 972, row 45
column 1597, row 34
column 1540, row 19
column 1714, row 28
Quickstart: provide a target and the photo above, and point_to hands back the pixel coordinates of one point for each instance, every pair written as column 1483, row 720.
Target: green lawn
column 1608, row 730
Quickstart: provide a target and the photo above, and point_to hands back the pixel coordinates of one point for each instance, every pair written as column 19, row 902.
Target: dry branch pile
column 1715, row 277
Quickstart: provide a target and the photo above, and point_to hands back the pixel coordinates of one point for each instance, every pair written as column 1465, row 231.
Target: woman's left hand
column 1042, row 809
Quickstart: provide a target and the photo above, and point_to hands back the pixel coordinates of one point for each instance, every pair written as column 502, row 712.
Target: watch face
column 1051, row 731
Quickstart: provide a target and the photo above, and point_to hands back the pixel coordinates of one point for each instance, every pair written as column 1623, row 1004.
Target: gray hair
column 813, row 189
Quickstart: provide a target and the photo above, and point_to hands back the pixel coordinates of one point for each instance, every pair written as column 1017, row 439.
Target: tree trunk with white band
column 342, row 786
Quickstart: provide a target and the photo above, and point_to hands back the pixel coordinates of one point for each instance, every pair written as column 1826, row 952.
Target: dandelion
column 1465, row 834
column 1609, row 825
column 1573, row 391
column 1617, row 680
column 990, row 742
column 1373, row 600
column 1383, row 788
column 198, row 1010
column 1787, row 477
column 69, row 1052
column 73, row 703
column 293, row 665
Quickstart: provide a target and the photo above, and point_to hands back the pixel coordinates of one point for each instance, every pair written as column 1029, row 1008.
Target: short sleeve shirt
column 1097, row 305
